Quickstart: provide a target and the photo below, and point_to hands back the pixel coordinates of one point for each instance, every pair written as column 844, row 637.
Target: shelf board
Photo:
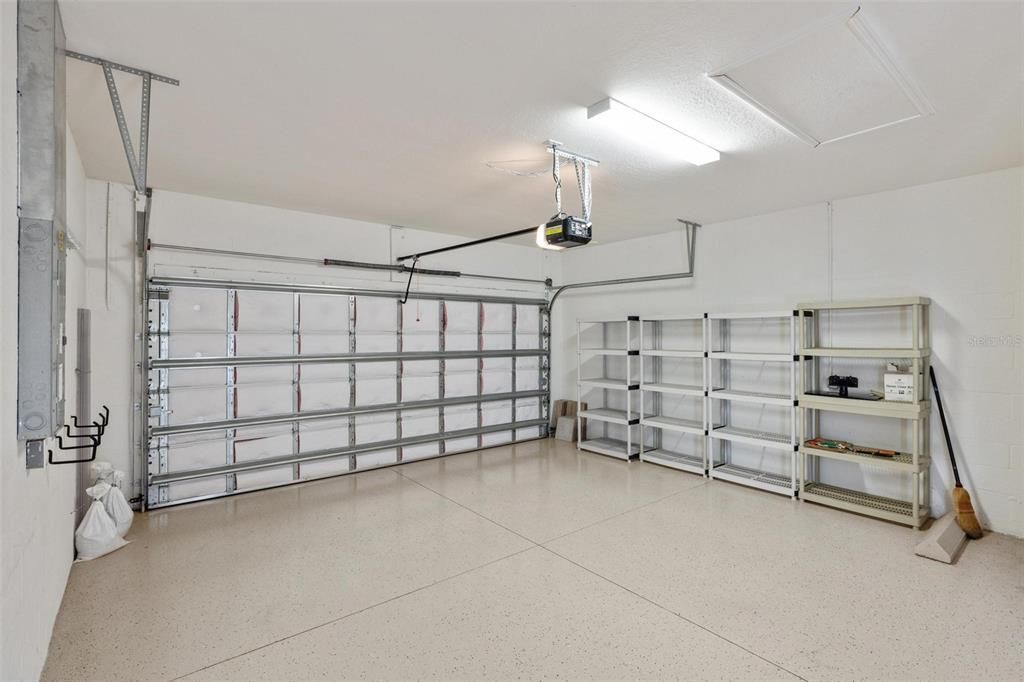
column 678, row 389
column 673, row 318
column 671, row 353
column 611, row 384
column 604, row 414
column 871, row 408
column 901, row 462
column 754, row 478
column 604, row 351
column 752, row 316
column 900, row 353
column 865, row 303
column 752, row 397
column 751, row 357
column 880, row 507
column 766, row 439
column 672, row 424
column 675, row 460
column 610, row 446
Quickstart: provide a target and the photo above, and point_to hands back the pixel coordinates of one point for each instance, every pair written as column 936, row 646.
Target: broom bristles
column 965, row 516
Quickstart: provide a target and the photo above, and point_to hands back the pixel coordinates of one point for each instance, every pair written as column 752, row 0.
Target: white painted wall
column 36, row 507
column 218, row 224
column 958, row 242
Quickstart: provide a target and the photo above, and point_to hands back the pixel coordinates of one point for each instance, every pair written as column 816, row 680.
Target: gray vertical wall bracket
column 41, row 225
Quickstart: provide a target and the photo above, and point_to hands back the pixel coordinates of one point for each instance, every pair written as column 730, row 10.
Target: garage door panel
column 375, row 390
column 263, row 311
column 376, row 325
column 420, row 326
column 323, row 343
column 197, row 405
column 327, row 467
column 339, row 371
column 324, row 394
column 319, row 313
column 258, row 400
column 209, row 325
column 197, row 344
column 460, row 378
column 420, row 381
column 263, row 343
column 199, row 310
column 326, row 434
column 376, row 459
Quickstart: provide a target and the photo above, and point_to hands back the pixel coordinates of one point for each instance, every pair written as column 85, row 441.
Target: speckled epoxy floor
column 534, row 561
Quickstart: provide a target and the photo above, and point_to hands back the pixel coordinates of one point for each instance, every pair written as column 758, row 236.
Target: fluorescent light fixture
column 651, row 132
column 542, row 240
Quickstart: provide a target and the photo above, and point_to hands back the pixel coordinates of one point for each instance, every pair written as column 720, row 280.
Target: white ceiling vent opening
column 828, row 83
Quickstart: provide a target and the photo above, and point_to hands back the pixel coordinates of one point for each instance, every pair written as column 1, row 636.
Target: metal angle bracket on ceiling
column 690, row 229
column 137, row 164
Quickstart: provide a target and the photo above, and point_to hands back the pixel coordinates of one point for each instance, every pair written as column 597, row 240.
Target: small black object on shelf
column 844, row 384
column 94, row 432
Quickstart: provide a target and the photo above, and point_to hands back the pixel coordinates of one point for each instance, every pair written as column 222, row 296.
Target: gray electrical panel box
column 41, row 221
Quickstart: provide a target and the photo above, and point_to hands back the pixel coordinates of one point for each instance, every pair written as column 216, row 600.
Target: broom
column 965, row 516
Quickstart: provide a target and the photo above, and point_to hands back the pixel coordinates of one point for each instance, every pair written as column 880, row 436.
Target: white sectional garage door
column 256, row 384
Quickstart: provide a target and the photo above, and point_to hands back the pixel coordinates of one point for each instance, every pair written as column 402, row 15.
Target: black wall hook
column 95, row 438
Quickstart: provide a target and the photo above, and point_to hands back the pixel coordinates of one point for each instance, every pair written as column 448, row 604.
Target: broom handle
column 945, row 429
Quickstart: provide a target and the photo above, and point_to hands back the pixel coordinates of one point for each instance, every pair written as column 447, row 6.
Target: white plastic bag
column 97, row 534
column 103, row 471
column 117, row 507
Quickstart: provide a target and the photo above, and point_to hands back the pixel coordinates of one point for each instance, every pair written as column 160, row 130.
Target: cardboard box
column 566, row 429
column 565, row 408
column 899, row 386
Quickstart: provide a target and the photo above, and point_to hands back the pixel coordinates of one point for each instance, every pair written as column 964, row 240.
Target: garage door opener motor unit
column 566, row 232
column 562, row 230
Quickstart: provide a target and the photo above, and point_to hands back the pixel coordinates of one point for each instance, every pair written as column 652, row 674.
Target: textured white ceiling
column 387, row 111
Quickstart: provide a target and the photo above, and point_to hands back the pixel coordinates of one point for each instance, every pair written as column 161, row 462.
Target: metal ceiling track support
column 312, row 456
column 332, row 290
column 410, row 356
column 316, row 415
column 691, row 248
column 137, row 164
column 333, row 262
column 559, row 152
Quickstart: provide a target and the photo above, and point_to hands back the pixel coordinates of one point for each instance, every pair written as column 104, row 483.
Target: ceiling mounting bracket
column 137, row 164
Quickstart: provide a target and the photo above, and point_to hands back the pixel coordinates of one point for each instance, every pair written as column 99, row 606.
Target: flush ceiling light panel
column 832, row 81
column 650, row 132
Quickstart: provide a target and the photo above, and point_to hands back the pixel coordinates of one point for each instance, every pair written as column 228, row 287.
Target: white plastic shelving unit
column 916, row 463
column 660, row 344
column 722, row 433
column 618, row 338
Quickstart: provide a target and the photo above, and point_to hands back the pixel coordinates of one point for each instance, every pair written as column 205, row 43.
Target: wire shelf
column 752, row 397
column 753, row 437
column 754, row 478
column 674, row 460
column 673, row 424
column 610, row 446
column 878, row 506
